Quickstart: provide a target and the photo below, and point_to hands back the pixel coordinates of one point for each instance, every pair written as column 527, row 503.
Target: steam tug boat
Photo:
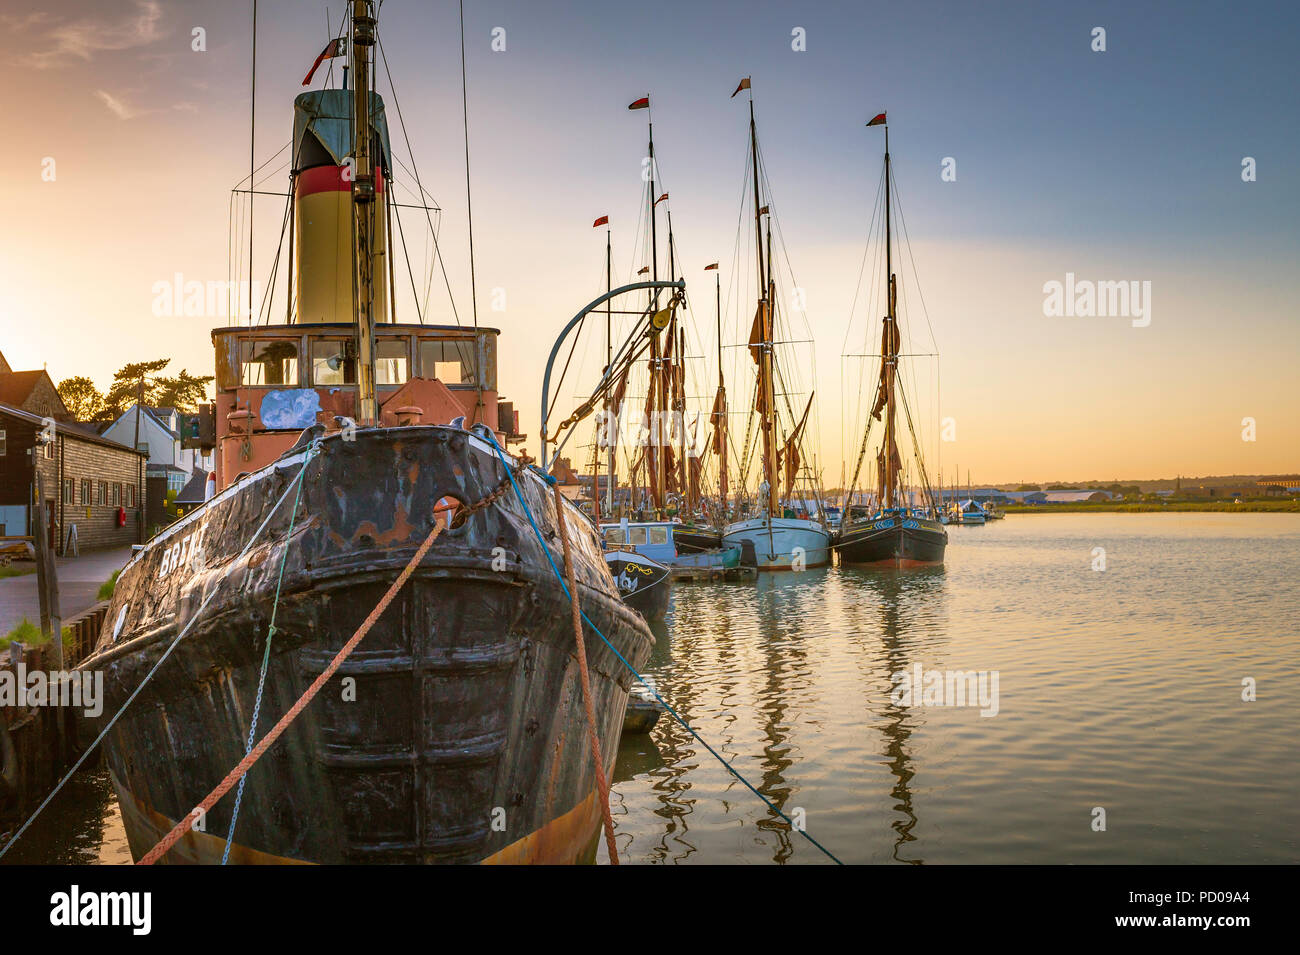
column 456, row 730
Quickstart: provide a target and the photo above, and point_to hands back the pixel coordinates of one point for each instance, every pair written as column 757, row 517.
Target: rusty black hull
column 456, row 730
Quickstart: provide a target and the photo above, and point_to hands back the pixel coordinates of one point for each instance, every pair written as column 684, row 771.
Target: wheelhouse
column 653, row 539
column 273, row 381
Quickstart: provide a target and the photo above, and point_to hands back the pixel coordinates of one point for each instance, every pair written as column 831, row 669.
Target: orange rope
column 601, row 783
column 184, row 826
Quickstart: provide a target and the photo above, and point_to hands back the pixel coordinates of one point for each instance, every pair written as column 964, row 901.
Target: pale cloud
column 116, row 106
column 82, row 39
column 119, row 106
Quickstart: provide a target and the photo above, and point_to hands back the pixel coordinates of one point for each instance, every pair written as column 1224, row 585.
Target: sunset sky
column 1116, row 165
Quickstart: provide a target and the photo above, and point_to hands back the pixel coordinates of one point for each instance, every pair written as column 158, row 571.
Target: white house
column 160, row 436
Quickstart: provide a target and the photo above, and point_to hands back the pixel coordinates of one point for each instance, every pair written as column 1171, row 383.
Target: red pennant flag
column 334, row 48
column 603, row 220
column 661, row 198
column 713, row 266
column 877, row 120
column 744, row 85
column 642, row 103
column 643, row 270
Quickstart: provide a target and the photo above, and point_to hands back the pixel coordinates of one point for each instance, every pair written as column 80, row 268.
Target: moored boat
column 893, row 538
column 898, row 531
column 780, row 541
column 341, row 442
column 644, row 583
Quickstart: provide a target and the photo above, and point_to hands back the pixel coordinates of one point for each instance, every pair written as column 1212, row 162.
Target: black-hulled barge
column 899, row 531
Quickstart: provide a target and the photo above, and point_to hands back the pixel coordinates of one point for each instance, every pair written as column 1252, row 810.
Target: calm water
column 1118, row 689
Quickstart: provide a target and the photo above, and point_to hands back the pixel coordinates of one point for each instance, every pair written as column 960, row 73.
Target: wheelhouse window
column 658, row 535
column 451, row 362
column 636, row 536
column 392, row 361
column 273, row 362
column 614, row 535
column 332, row 362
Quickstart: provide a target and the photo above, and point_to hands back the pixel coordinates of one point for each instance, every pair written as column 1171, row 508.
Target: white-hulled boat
column 780, row 542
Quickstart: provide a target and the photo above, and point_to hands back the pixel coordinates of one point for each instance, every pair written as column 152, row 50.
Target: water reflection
column 910, row 614
column 81, row 826
column 786, row 677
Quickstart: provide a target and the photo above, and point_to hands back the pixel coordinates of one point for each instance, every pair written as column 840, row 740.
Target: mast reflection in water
column 790, row 680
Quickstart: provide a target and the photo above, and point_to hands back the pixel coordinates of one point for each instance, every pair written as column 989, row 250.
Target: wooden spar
column 677, row 374
column 659, row 476
column 390, row 253
column 363, row 209
column 47, row 582
column 889, row 358
column 765, row 382
column 252, row 162
column 720, row 426
column 680, row 379
column 610, row 430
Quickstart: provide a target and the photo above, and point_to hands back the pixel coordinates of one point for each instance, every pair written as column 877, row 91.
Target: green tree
column 182, row 391
column 129, row 380
column 82, row 398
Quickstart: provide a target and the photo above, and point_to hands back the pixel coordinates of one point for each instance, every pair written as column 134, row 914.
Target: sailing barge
column 456, row 731
column 781, row 540
column 897, row 532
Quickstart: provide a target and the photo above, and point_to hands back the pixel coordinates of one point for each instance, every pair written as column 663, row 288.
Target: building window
column 451, row 362
column 69, row 491
column 3, row 443
column 332, row 363
column 392, row 359
column 117, row 495
column 47, row 449
column 85, row 492
column 101, row 497
column 269, row 362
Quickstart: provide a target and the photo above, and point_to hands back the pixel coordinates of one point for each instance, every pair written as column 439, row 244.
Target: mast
column 658, row 442
column 252, row 186
column 676, row 372
column 679, row 378
column 889, row 355
column 765, row 374
column 363, row 208
column 609, row 360
column 720, row 426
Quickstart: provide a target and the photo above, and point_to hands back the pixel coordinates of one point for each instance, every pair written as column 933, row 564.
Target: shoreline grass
column 30, row 634
column 1158, row 507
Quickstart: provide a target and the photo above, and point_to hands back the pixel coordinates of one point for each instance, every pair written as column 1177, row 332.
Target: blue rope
column 558, row 576
column 266, row 654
